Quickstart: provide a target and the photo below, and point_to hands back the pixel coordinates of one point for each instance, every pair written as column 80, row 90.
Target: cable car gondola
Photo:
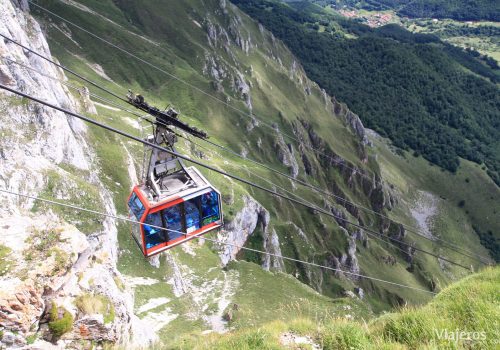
column 171, row 195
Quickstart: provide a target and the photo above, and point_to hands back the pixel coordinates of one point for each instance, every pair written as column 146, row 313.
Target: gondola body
column 185, row 215
column 173, row 204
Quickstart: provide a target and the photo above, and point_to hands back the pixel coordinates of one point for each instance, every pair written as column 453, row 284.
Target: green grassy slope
column 424, row 94
column 179, row 32
column 468, row 193
column 468, row 306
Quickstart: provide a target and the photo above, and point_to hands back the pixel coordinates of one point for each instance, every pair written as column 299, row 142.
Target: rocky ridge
column 39, row 148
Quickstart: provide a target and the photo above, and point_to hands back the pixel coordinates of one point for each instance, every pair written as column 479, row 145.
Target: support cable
column 236, row 109
column 235, row 177
column 317, row 189
column 71, row 206
column 409, row 228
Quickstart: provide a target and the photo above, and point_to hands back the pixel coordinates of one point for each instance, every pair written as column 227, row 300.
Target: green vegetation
column 58, row 324
column 490, row 241
column 343, row 335
column 285, row 297
column 290, row 101
column 468, row 306
column 61, row 259
column 480, row 195
column 96, row 304
column 30, row 339
column 480, row 39
column 461, row 10
column 369, row 5
column 5, row 263
column 422, row 93
column 42, row 240
column 43, row 245
column 79, row 189
column 119, row 283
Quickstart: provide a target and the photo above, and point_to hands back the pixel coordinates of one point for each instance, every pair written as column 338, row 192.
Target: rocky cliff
column 50, row 263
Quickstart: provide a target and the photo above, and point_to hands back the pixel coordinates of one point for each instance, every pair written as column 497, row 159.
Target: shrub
column 59, row 326
column 410, row 328
column 344, row 335
column 30, row 339
column 61, row 259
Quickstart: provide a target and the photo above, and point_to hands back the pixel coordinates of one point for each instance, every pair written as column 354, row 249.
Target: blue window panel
column 154, row 235
column 173, row 220
column 192, row 215
column 209, row 207
column 136, row 206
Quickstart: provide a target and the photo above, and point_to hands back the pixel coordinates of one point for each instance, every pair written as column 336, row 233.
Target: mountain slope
column 202, row 286
column 433, row 101
column 230, row 55
column 451, row 320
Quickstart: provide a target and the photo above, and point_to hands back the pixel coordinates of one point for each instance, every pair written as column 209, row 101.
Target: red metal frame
column 167, row 203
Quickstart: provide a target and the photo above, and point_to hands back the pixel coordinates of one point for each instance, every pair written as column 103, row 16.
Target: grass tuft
column 60, row 325
column 96, row 304
column 343, row 335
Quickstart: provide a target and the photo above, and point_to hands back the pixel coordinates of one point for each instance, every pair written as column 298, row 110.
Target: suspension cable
column 451, row 246
column 238, row 110
column 71, row 206
column 235, row 177
column 72, row 86
column 409, row 228
column 315, row 206
column 63, row 67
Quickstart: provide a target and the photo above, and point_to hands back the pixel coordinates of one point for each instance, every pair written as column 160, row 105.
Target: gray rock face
column 87, row 104
column 349, row 260
column 223, row 6
column 215, row 70
column 240, row 86
column 238, row 230
column 371, row 184
column 360, row 292
column 219, row 69
column 352, row 120
column 22, row 4
column 286, row 154
column 242, row 40
column 357, row 126
column 272, row 246
column 37, row 140
column 217, row 36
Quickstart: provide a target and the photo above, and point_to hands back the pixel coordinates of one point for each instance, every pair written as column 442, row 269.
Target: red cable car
column 173, row 197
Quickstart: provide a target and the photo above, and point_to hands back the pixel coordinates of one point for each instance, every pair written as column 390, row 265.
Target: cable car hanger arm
column 169, row 117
